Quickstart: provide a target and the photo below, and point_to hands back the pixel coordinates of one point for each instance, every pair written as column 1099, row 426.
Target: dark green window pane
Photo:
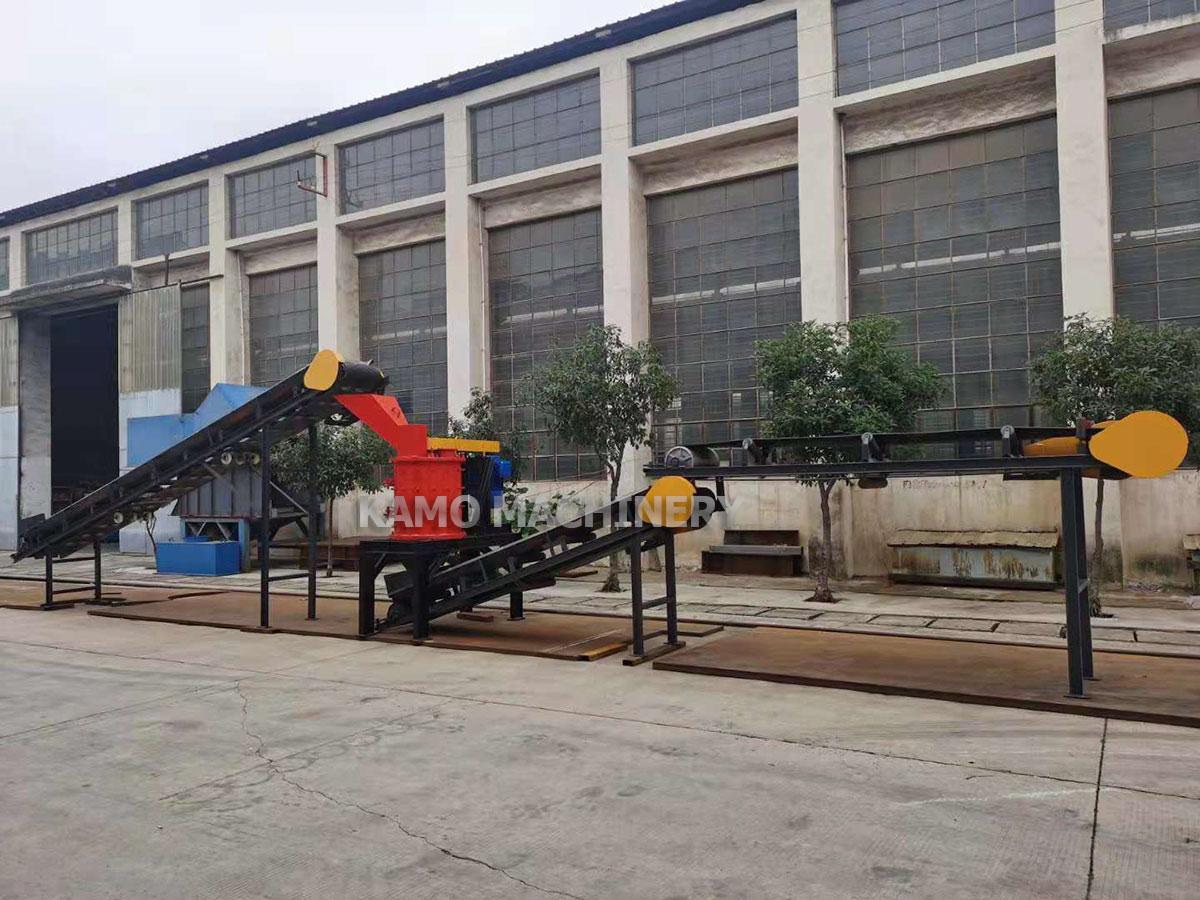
column 1153, row 151
column 995, row 282
column 881, row 42
column 72, row 248
column 724, row 79
column 172, row 222
column 270, row 198
column 707, row 330
column 546, row 288
column 283, row 323
column 393, row 167
column 402, row 296
column 545, row 127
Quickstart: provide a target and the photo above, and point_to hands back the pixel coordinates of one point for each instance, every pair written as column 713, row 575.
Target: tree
column 601, row 395
column 845, row 378
column 1107, row 369
column 478, row 423
column 348, row 458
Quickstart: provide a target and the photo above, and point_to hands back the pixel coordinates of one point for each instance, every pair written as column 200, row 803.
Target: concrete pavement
column 150, row 760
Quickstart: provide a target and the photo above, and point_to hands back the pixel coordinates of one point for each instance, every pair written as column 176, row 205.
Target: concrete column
column 624, row 232
column 623, row 216
column 822, row 206
column 15, row 259
column 466, row 292
column 34, row 398
column 226, row 351
column 125, row 231
column 337, row 273
column 1084, row 190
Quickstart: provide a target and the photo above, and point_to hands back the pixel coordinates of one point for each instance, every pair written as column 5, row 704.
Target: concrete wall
column 1073, row 78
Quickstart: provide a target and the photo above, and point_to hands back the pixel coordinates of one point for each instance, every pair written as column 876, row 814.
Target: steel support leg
column 669, row 566
column 635, row 584
column 516, row 605
column 49, row 601
column 264, row 534
column 419, row 569
column 1071, row 537
column 97, row 592
column 1085, row 598
column 366, row 594
column 314, row 519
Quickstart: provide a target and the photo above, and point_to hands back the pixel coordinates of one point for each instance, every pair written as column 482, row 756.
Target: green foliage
column 601, row 393
column 348, row 458
column 479, row 424
column 845, row 378
column 1107, row 369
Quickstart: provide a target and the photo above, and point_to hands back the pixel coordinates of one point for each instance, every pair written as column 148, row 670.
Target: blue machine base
column 200, row 558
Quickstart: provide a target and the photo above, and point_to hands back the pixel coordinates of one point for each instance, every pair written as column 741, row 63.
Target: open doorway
column 84, row 429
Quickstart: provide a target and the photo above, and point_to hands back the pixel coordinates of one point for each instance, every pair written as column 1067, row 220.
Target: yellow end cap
column 669, row 502
column 1144, row 444
column 322, row 372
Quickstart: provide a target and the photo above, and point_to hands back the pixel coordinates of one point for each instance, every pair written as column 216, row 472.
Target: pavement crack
column 1096, row 815
column 273, row 766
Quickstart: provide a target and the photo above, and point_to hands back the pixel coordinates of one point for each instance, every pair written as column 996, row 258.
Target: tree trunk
column 823, row 594
column 329, row 538
column 613, row 582
column 1097, row 575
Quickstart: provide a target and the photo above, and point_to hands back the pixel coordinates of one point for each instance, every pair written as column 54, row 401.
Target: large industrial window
column 1155, row 164
column 393, row 167
column 269, row 198
column 724, row 274
column 403, row 321
column 881, row 41
column 4, row 265
column 172, row 222
column 714, row 82
column 547, row 126
column 61, row 251
column 193, row 344
column 546, row 288
column 1119, row 13
column 283, row 323
column 957, row 240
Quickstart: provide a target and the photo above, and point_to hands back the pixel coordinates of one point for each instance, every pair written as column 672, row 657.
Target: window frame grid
column 996, row 287
column 1154, row 151
column 145, row 246
column 269, row 364
column 245, row 217
column 945, row 36
column 357, row 173
column 496, row 129
column 69, row 234
column 413, row 276
column 693, row 233
column 529, row 278
column 1124, row 13
column 676, row 74
column 4, row 266
column 194, row 345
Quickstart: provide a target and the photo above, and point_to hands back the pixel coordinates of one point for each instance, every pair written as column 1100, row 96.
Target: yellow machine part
column 322, row 372
column 1144, row 444
column 669, row 502
column 464, row 446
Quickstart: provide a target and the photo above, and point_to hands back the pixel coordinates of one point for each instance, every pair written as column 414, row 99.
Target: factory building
column 700, row 176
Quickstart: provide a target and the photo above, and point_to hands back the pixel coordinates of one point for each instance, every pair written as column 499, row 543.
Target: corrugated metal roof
column 613, row 35
column 912, row 538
